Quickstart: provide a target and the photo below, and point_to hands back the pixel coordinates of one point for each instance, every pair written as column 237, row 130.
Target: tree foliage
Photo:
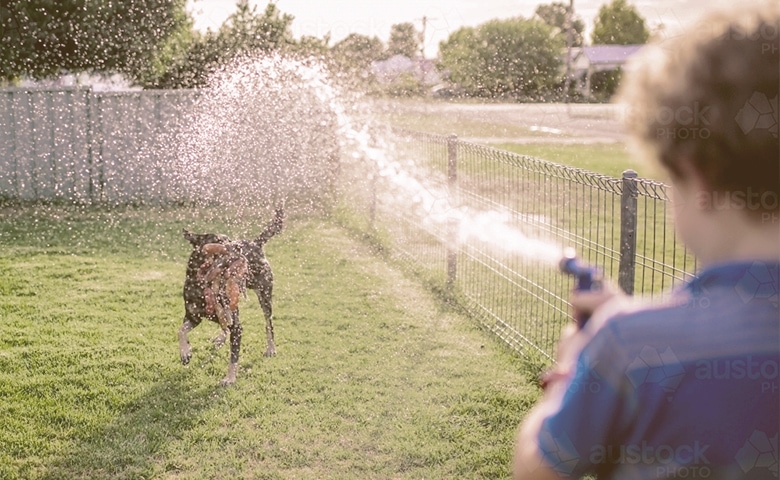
column 516, row 58
column 604, row 84
column 618, row 23
column 43, row 38
column 245, row 32
column 404, row 40
column 309, row 46
column 355, row 53
column 554, row 14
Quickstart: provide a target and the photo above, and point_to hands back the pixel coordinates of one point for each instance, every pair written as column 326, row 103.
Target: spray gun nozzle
column 587, row 277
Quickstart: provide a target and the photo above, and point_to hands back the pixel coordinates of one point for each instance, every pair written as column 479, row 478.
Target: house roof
column 393, row 65
column 609, row 54
column 388, row 70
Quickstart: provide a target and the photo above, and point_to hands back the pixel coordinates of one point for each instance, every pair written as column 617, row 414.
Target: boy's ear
column 690, row 177
column 694, row 188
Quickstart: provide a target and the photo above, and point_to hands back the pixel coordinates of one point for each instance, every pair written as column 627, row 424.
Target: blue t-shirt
column 686, row 389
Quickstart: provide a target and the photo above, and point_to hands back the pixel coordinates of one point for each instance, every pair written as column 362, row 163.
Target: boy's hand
column 572, row 338
column 587, row 302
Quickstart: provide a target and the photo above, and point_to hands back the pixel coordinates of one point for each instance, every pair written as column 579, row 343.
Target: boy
column 688, row 388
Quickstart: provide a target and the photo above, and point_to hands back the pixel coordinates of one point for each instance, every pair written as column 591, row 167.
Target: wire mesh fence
column 619, row 225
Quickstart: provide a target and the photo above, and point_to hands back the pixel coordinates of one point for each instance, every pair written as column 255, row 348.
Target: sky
column 339, row 18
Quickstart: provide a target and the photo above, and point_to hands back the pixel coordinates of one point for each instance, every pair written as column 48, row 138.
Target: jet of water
column 273, row 128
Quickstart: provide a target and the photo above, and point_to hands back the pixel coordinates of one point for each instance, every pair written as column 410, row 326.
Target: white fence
column 78, row 145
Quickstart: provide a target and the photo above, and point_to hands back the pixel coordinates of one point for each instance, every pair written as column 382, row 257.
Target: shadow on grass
column 135, row 443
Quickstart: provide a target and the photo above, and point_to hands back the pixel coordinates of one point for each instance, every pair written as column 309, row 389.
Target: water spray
column 587, row 278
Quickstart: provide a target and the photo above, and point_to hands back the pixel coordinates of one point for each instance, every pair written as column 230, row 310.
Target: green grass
column 463, row 127
column 610, row 159
column 604, row 158
column 374, row 378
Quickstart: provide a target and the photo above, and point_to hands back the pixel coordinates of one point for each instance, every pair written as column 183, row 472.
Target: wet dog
column 218, row 270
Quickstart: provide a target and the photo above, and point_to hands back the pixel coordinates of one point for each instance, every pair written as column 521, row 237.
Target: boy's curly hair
column 710, row 98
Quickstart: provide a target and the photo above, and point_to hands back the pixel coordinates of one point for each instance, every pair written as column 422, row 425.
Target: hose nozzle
column 587, row 277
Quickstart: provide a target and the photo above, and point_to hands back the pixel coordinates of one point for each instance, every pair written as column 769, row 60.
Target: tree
column 517, row 58
column 404, row 40
column 619, row 24
column 355, row 53
column 244, row 32
column 604, row 84
column 309, row 46
column 43, row 38
column 554, row 15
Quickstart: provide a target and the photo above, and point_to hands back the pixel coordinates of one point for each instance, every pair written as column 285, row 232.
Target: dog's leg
column 224, row 319
column 219, row 340
column 230, row 378
column 235, row 349
column 184, row 342
column 264, row 297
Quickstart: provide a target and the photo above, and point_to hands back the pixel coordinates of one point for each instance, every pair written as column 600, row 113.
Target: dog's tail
column 274, row 226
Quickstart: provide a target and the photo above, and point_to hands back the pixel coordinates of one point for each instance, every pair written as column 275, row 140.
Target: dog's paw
column 219, row 340
column 227, row 381
column 186, row 356
column 270, row 352
column 230, row 378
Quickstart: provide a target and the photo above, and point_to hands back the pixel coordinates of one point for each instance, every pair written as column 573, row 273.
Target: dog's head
column 197, row 240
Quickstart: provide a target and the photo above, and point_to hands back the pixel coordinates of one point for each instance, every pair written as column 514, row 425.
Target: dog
column 218, row 270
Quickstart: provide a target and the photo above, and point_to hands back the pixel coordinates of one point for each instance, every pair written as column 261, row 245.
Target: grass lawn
column 447, row 124
column 374, row 378
column 605, row 158
column 610, row 159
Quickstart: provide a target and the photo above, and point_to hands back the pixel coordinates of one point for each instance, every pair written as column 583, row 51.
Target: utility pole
column 424, row 20
column 569, row 41
column 423, row 66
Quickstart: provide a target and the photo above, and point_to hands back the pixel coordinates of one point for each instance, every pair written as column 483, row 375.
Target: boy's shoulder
column 717, row 293
column 727, row 310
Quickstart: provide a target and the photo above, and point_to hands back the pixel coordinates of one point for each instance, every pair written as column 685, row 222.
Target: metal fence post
column 372, row 205
column 452, row 234
column 90, row 154
column 628, row 214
